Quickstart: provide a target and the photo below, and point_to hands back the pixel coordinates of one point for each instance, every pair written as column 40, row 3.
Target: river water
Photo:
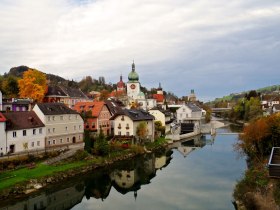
column 196, row 174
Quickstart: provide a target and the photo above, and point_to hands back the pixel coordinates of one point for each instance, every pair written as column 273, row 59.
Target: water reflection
column 181, row 185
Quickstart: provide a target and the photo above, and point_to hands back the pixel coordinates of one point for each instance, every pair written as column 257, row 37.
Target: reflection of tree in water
column 98, row 186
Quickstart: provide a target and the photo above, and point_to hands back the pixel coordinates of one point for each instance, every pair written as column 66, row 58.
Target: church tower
column 120, row 85
column 133, row 84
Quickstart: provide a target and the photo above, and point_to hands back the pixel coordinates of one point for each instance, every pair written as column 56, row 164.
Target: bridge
column 220, row 110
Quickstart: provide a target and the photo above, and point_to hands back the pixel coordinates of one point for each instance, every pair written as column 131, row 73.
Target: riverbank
column 256, row 190
column 21, row 182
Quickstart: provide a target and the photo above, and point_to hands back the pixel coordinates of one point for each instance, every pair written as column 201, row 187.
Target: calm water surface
column 197, row 174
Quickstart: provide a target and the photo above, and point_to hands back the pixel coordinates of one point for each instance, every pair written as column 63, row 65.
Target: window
column 53, row 141
column 119, row 127
column 49, row 118
column 49, row 130
column 61, row 141
column 127, row 126
column 38, row 143
column 49, row 142
column 66, row 128
column 32, row 144
column 24, row 132
column 34, row 131
column 74, row 127
column 53, row 130
column 68, row 139
column 14, row 134
column 122, row 118
column 40, row 130
column 61, row 117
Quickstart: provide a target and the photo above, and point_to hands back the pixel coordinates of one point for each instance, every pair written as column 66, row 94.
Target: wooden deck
column 274, row 163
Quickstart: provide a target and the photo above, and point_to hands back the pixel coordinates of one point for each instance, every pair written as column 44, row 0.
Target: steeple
column 133, row 76
column 159, row 87
column 133, row 66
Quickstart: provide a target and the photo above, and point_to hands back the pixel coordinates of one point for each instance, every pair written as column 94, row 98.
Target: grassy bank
column 20, row 176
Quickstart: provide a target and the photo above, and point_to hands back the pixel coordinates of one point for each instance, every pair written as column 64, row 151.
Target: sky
column 215, row 47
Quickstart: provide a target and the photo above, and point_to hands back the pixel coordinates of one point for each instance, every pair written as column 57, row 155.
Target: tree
column 142, row 131
column 10, row 87
column 101, row 144
column 33, row 85
column 104, row 94
column 159, row 128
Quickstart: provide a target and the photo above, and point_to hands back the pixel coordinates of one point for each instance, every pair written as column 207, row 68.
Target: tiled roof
column 55, row 109
column 55, row 91
column 22, row 120
column 95, row 107
column 2, row 118
column 158, row 97
column 134, row 114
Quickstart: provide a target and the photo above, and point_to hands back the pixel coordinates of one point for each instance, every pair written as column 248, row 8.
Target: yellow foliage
column 33, row 85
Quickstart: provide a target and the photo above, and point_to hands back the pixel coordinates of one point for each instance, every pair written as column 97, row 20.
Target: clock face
column 132, row 86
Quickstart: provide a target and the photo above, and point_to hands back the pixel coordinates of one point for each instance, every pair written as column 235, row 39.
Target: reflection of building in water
column 59, row 200
column 189, row 145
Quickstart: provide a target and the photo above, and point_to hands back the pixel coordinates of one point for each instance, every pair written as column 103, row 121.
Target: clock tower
column 133, row 84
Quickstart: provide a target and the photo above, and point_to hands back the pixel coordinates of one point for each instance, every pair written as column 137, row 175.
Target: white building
column 3, row 138
column 188, row 111
column 64, row 126
column 127, row 121
column 1, row 101
column 163, row 116
column 24, row 132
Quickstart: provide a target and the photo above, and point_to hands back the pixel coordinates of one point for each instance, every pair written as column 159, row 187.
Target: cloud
column 182, row 44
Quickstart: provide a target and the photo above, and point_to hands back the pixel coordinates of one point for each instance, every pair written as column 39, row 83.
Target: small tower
column 133, row 84
column 192, row 96
column 159, row 90
column 120, row 85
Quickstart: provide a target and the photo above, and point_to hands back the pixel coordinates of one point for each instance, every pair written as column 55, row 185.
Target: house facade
column 64, row 126
column 3, row 137
column 163, row 116
column 127, row 121
column 96, row 116
column 24, row 132
column 188, row 111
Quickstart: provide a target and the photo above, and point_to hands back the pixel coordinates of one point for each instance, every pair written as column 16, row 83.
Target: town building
column 1, row 101
column 3, row 137
column 164, row 116
column 62, row 94
column 126, row 123
column 24, row 132
column 96, row 116
column 17, row 104
column 64, row 126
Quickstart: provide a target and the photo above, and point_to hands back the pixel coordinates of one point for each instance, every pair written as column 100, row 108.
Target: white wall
column 2, row 138
column 34, row 141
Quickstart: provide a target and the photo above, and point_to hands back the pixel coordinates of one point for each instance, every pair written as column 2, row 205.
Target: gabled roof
column 95, row 107
column 2, row 118
column 270, row 98
column 55, row 109
column 134, row 115
column 22, row 120
column 62, row 91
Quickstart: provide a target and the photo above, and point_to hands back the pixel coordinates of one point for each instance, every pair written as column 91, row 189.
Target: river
column 197, row 174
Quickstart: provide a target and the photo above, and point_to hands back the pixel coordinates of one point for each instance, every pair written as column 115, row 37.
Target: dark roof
column 22, row 120
column 134, row 114
column 114, row 105
column 63, row 91
column 55, row 109
column 55, row 91
column 193, row 107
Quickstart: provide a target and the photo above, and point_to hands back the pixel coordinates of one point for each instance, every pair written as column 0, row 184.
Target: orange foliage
column 33, row 85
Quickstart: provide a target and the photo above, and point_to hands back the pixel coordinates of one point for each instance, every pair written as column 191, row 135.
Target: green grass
column 10, row 178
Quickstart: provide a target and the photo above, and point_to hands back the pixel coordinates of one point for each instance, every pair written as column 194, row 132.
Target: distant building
column 62, row 94
column 17, row 105
column 192, row 96
column 163, row 116
column 3, row 137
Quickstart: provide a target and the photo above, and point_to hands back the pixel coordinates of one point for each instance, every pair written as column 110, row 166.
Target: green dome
column 133, row 76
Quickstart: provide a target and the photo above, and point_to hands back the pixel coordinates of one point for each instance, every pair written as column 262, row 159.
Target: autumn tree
column 10, row 87
column 33, row 85
column 142, row 131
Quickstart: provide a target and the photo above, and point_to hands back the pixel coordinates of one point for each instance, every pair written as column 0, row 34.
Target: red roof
column 2, row 118
column 116, row 93
column 158, row 97
column 95, row 107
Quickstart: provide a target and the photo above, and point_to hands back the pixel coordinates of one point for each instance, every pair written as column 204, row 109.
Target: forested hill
column 265, row 90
